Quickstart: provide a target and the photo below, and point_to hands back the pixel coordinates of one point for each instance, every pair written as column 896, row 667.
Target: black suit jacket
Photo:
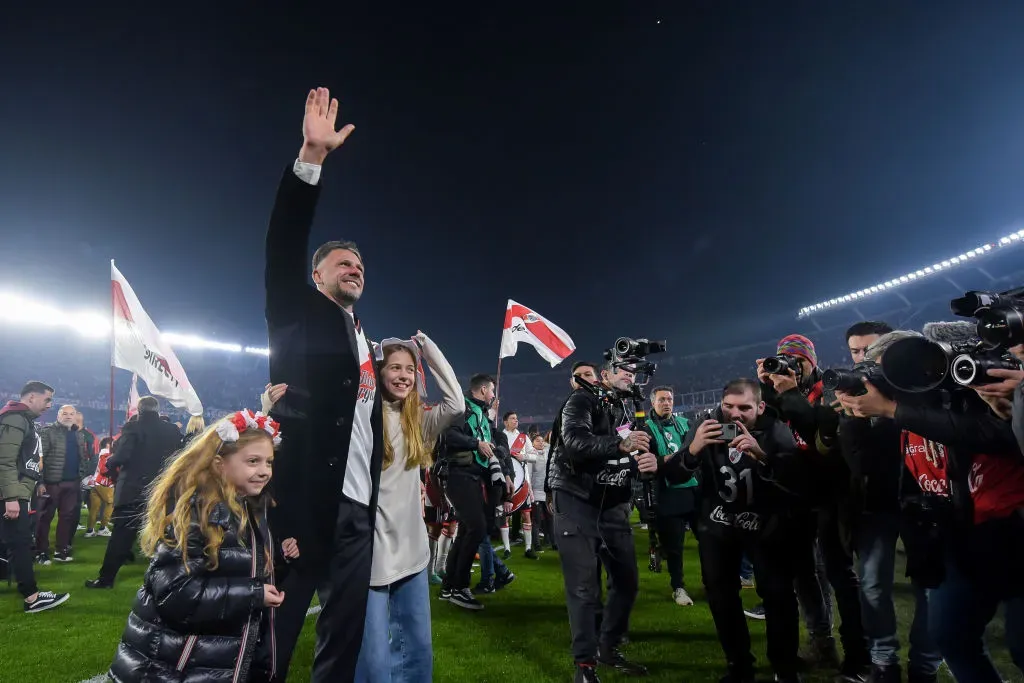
column 313, row 350
column 139, row 455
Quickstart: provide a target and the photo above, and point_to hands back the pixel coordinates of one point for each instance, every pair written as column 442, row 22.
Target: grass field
column 522, row 635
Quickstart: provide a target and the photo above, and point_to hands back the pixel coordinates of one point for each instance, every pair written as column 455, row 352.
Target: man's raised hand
column 319, row 137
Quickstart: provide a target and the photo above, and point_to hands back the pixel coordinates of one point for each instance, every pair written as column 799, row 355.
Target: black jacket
column 739, row 491
column 202, row 625
column 584, row 447
column 871, row 449
column 139, row 456
column 313, row 349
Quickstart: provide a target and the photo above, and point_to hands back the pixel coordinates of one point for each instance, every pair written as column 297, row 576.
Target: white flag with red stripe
column 139, row 348
column 133, row 398
column 525, row 325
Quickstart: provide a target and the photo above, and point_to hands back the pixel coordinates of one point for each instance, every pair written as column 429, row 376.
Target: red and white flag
column 138, row 347
column 133, row 398
column 525, row 325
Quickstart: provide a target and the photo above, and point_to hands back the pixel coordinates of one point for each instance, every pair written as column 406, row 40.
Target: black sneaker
column 755, row 612
column 463, row 598
column 885, row 673
column 445, row 594
column 63, row 556
column 484, row 588
column 502, row 581
column 506, row 554
column 821, row 653
column 44, row 601
column 853, row 671
column 586, row 673
column 44, row 559
column 531, row 555
column 615, row 659
column 98, row 583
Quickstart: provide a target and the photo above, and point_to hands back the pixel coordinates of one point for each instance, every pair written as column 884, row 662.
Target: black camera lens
column 1001, row 327
column 971, row 302
column 848, row 381
column 780, row 365
column 916, row 364
column 973, row 371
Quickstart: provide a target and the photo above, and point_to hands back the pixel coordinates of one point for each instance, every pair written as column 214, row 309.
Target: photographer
column 963, row 454
column 591, row 469
column 795, row 390
column 871, row 447
column 750, row 480
column 676, row 502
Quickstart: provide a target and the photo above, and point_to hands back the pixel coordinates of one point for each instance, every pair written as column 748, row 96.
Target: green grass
column 522, row 635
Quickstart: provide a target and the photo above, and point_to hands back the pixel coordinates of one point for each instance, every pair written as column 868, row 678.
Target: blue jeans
column 746, row 569
column 961, row 608
column 490, row 562
column 876, row 564
column 396, row 634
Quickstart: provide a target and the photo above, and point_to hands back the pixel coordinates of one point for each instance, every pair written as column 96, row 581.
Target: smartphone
column 730, row 430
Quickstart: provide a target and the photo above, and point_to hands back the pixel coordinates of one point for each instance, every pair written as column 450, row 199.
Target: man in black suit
column 327, row 471
column 139, row 455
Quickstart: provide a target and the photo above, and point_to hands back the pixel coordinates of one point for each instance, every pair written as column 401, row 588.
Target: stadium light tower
column 1013, row 239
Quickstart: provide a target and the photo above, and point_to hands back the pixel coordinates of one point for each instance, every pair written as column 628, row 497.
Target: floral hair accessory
column 229, row 428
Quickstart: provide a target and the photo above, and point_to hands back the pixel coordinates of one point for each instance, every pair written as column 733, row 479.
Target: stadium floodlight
column 24, row 312
column 1012, row 239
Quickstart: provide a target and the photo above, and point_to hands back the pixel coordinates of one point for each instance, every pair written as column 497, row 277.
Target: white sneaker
column 90, row 533
column 681, row 597
column 103, row 532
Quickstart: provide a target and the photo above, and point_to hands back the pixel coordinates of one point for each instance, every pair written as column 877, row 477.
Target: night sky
column 688, row 170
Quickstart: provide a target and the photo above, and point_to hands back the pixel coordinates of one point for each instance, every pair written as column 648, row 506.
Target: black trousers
column 721, row 550
column 542, row 523
column 127, row 520
column 464, row 490
column 822, row 540
column 587, row 538
column 341, row 579
column 671, row 534
column 17, row 535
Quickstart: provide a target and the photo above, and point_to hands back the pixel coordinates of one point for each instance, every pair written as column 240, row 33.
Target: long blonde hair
column 193, row 473
column 418, row 454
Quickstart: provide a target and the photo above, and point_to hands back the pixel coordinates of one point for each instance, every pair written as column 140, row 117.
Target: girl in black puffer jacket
column 206, row 606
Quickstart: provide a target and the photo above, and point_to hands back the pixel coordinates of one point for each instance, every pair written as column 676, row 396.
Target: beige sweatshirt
column 400, row 546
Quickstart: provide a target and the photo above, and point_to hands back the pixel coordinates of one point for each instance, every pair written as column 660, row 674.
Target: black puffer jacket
column 202, row 625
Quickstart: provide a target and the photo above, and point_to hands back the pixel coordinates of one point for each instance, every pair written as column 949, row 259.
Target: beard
column 344, row 297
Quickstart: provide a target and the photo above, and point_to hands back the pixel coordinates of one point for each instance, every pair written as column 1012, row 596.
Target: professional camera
column 1000, row 316
column 852, row 381
column 917, row 365
column 781, row 365
column 631, row 355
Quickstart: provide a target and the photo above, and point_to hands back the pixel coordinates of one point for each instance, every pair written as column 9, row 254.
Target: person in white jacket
column 396, row 634
column 537, row 456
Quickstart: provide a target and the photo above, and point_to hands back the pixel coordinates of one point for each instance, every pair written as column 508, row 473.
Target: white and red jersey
column 516, row 443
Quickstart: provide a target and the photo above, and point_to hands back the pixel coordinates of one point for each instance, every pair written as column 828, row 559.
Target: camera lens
column 624, row 346
column 916, row 364
column 964, row 369
column 1001, row 327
